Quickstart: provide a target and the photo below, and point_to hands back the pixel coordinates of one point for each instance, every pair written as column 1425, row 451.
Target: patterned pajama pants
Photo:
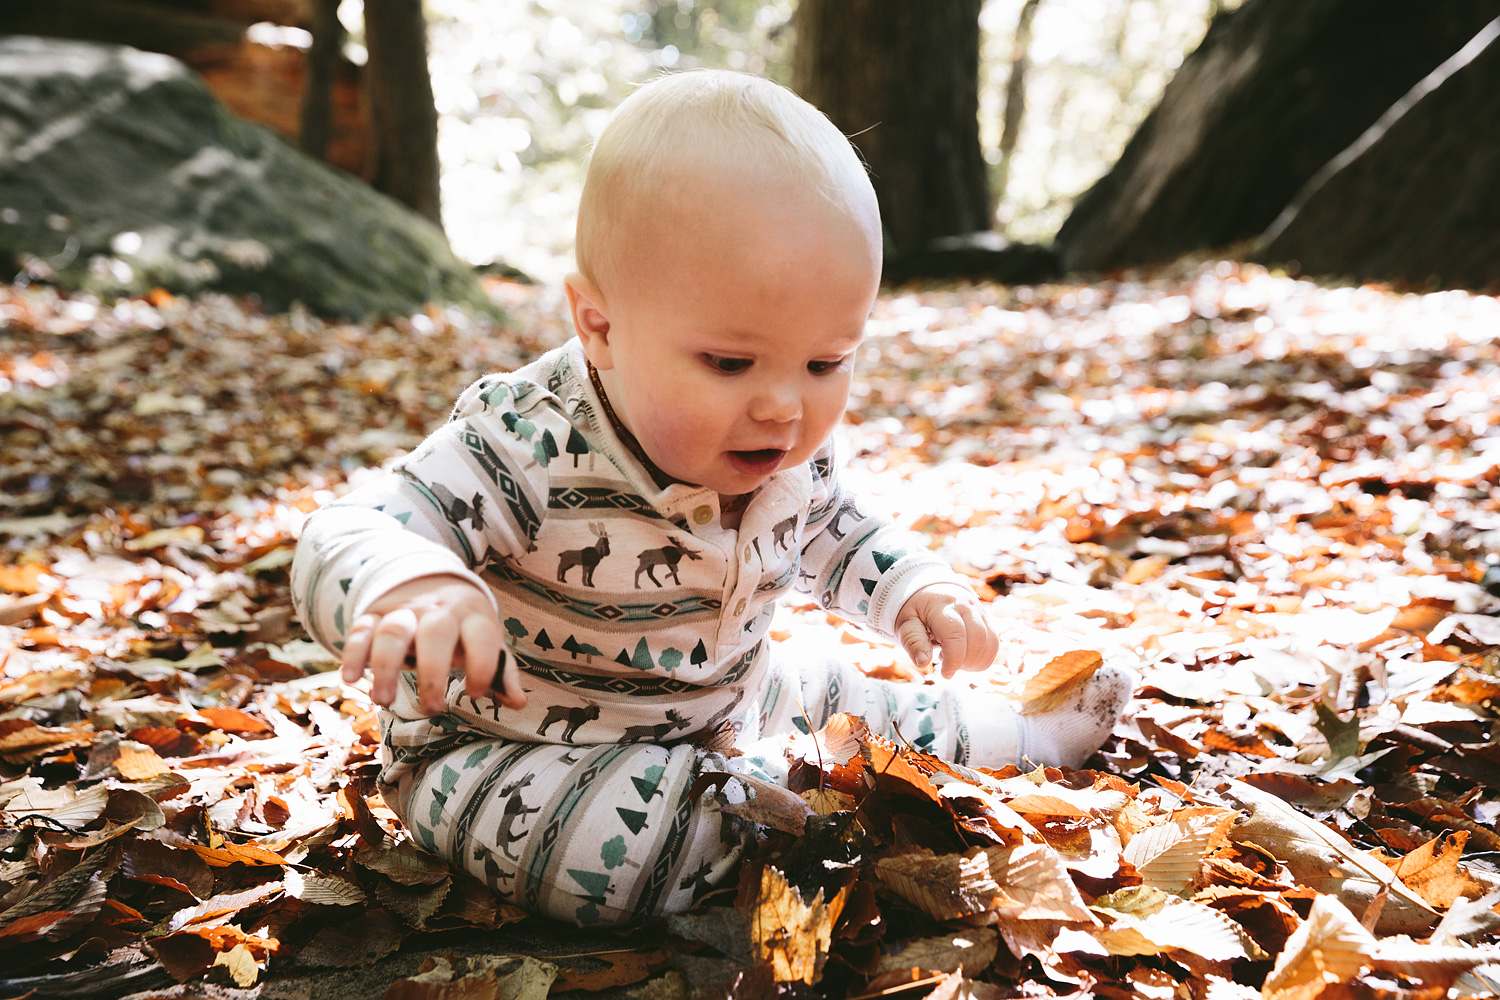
column 610, row 833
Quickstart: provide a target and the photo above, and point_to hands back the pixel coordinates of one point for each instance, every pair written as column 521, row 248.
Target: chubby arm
column 393, row 564
column 871, row 571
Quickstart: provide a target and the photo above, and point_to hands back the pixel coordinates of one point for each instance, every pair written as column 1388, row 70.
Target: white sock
column 1066, row 736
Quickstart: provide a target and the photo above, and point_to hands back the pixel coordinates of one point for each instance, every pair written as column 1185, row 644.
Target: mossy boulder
column 120, row 172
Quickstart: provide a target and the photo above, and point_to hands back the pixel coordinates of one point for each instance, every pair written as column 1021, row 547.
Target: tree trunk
column 1417, row 198
column 1276, row 90
column 402, row 113
column 317, row 84
column 901, row 78
column 1015, row 94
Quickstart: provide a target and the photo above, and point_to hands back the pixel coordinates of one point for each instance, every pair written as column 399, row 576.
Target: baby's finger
column 914, row 639
column 357, row 642
column 952, row 635
column 980, row 642
column 481, row 653
column 437, row 638
column 510, row 693
column 393, row 637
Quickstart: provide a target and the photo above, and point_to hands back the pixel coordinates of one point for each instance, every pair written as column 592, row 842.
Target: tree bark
column 1015, row 94
column 1417, row 198
column 1277, row 89
column 402, row 113
column 317, row 84
column 901, row 78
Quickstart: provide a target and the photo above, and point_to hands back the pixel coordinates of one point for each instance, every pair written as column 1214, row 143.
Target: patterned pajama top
column 633, row 614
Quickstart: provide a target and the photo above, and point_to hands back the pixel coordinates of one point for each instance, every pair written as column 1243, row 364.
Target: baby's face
column 733, row 323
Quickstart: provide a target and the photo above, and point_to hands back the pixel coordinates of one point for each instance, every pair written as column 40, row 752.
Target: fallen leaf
column 945, row 887
column 1324, row 861
column 1433, row 871
column 1050, row 687
column 791, row 935
column 1329, row 948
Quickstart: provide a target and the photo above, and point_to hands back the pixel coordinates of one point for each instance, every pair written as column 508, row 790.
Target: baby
column 582, row 564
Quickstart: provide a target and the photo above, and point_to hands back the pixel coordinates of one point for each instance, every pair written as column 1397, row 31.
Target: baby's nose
column 777, row 403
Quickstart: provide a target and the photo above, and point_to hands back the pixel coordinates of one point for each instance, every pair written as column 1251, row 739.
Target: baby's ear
column 589, row 318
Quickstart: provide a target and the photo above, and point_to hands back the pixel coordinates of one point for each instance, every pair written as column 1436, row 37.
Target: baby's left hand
column 949, row 615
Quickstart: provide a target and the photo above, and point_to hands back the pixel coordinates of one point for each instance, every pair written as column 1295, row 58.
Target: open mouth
column 759, row 461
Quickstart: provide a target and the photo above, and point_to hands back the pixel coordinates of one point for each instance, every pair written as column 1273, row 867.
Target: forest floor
column 1278, row 502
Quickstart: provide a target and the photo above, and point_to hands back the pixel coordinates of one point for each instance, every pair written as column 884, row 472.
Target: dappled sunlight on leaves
column 1278, row 503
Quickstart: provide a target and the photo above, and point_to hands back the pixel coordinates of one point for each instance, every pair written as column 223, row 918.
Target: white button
column 739, row 608
column 703, row 514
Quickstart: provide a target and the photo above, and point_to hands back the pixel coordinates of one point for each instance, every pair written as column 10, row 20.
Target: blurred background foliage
column 524, row 86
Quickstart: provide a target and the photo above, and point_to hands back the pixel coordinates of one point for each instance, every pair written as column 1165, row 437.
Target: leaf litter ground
column 1278, row 502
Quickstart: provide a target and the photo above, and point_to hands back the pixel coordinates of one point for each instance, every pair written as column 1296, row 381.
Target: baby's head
column 728, row 255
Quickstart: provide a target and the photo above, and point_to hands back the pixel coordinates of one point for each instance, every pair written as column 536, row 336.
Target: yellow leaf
column 1049, row 687
column 826, row 800
column 1330, row 947
column 241, row 964
column 790, row 934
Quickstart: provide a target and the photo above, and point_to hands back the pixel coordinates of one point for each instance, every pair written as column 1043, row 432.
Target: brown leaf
column 969, row 952
column 363, row 939
column 1433, row 871
column 607, row 970
column 1049, row 687
column 1035, row 879
column 488, row 977
column 1325, row 861
column 789, row 934
column 405, row 863
column 945, row 887
column 770, row 805
column 242, row 967
column 168, row 742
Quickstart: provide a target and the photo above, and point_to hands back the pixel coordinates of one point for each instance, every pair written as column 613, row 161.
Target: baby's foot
column 1069, row 734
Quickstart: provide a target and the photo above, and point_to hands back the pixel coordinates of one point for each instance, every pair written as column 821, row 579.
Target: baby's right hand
column 436, row 613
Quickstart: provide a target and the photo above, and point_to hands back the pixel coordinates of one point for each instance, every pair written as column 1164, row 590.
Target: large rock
column 120, row 172
column 1276, row 90
column 1418, row 198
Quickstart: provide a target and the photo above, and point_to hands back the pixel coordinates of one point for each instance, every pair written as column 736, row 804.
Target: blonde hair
column 736, row 116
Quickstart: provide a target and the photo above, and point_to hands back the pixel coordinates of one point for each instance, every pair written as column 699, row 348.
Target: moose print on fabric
column 656, row 733
column 845, row 509
column 780, row 530
column 515, row 809
column 571, row 717
column 458, row 511
column 587, row 557
column 668, row 556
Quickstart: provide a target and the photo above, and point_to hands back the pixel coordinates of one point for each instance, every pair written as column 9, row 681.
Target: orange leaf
column 222, row 857
column 1433, row 871
column 138, row 762
column 232, row 720
column 22, row 579
column 1050, row 686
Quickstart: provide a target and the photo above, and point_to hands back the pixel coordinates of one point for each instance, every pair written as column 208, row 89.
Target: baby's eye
column 728, row 366
column 824, row 367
